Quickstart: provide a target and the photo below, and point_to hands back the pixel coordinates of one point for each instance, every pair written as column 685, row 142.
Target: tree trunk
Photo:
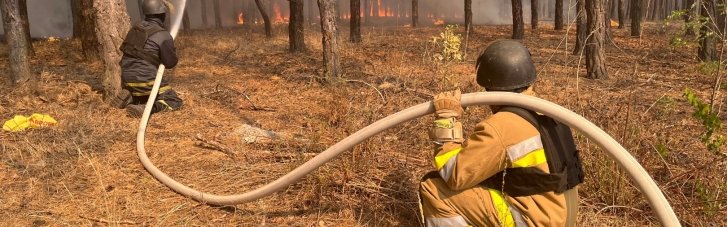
column 312, row 14
column 185, row 21
column 86, row 32
column 706, row 51
column 23, row 6
column 366, row 10
column 517, row 19
column 581, row 27
column 76, row 14
column 534, row 14
column 17, row 40
column 636, row 18
column 331, row 59
column 218, row 16
column 414, row 13
column 689, row 15
column 621, row 14
column 595, row 56
column 204, row 13
column 558, row 15
column 266, row 19
column 112, row 24
column 355, row 21
column 376, row 4
column 468, row 14
column 295, row 27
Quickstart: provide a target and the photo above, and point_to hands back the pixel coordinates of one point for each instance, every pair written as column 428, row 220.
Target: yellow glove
column 447, row 104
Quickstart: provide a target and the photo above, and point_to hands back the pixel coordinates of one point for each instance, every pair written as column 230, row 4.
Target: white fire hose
column 627, row 162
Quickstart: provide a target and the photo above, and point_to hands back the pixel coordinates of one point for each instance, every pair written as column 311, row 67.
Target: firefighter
column 457, row 194
column 147, row 45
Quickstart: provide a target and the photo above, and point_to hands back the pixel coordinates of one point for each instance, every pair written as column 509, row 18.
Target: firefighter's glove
column 447, row 104
column 446, row 127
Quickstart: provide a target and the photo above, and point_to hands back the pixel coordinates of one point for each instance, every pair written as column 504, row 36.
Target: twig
column 237, row 47
column 210, row 144
column 255, row 107
column 372, row 86
column 107, row 221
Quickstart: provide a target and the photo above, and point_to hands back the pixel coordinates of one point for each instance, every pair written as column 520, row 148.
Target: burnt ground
column 85, row 171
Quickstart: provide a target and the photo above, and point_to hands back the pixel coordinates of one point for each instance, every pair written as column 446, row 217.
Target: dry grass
column 85, row 170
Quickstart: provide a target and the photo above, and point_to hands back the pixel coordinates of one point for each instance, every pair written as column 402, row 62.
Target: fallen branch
column 372, row 86
column 101, row 220
column 211, row 144
column 255, row 107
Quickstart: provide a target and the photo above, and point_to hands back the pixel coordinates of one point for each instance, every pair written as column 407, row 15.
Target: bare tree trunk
column 581, row 27
column 185, row 21
column 76, row 14
column 517, row 19
column 112, row 23
column 376, row 5
column 414, row 13
column 689, row 15
column 23, row 4
column 355, row 21
column 17, row 41
column 367, row 11
column 706, row 51
column 595, row 54
column 558, row 15
column 636, row 18
column 218, row 16
column 468, row 14
column 331, row 58
column 296, row 33
column 204, row 13
column 534, row 14
column 266, row 19
column 86, row 26
column 621, row 14
column 312, row 13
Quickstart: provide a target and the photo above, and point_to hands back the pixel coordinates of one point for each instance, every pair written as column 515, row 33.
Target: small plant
column 711, row 122
column 710, row 200
column 450, row 43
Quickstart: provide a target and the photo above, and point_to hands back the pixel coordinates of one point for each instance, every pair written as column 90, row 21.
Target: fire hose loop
column 641, row 178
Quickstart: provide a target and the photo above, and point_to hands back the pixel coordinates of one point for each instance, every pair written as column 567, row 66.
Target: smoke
column 53, row 18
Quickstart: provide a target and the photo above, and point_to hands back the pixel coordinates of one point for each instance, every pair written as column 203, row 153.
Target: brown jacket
column 504, row 140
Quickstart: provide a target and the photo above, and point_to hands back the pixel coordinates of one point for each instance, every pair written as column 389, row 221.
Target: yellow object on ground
column 20, row 122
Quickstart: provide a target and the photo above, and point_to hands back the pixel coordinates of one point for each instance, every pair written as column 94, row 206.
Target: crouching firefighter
column 146, row 46
column 513, row 169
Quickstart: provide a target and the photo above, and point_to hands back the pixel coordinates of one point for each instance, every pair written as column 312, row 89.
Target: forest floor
column 84, row 171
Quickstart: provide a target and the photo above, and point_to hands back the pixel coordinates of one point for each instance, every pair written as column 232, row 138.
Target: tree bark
column 204, row 13
column 112, row 24
column 517, row 19
column 366, row 11
column 355, row 21
column 218, row 16
column 414, row 13
column 558, row 15
column 185, row 21
column 23, row 4
column 595, row 56
column 636, row 8
column 266, row 19
column 86, row 32
column 621, row 14
column 376, row 4
column 76, row 14
column 534, row 20
column 689, row 15
column 581, row 27
column 706, row 51
column 331, row 59
column 295, row 27
column 17, row 40
column 468, row 14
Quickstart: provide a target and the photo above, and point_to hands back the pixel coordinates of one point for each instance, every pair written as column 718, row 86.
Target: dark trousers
column 167, row 100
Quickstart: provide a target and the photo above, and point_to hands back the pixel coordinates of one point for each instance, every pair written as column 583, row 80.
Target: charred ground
column 85, row 170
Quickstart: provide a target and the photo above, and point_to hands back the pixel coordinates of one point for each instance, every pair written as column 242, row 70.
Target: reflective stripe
column 502, row 209
column 534, row 158
column 141, row 84
column 448, row 168
column 444, row 123
column 521, row 149
column 146, row 93
column 165, row 104
column 517, row 217
column 442, row 159
column 452, row 221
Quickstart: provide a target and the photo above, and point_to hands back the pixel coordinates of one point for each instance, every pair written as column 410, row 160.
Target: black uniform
column 146, row 46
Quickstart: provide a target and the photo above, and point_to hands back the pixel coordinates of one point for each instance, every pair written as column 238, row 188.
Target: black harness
column 136, row 40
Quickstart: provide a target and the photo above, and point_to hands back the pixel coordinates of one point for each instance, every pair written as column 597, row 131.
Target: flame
column 279, row 18
column 240, row 18
column 438, row 21
column 382, row 10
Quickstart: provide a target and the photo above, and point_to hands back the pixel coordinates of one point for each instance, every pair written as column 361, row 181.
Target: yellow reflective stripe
column 146, row 93
column 502, row 209
column 165, row 103
column 533, row 158
column 442, row 159
column 444, row 123
column 141, row 84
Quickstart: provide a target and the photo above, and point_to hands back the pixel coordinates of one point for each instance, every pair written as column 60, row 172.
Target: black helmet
column 151, row 7
column 504, row 66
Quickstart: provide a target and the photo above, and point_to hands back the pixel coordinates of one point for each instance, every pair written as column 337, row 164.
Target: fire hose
column 641, row 178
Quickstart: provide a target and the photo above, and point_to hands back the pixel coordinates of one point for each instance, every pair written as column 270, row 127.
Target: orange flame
column 438, row 21
column 240, row 18
column 279, row 19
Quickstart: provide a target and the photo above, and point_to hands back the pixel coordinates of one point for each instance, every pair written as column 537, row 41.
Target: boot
column 135, row 110
column 122, row 100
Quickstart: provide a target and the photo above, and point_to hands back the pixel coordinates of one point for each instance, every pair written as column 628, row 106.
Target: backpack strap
column 136, row 41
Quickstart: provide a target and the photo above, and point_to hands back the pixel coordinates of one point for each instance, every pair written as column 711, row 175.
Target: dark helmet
column 504, row 66
column 151, row 7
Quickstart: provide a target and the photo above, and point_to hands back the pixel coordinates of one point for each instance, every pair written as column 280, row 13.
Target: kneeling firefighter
column 146, row 46
column 513, row 169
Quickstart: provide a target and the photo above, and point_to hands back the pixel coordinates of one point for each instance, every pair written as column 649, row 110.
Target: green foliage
column 663, row 150
column 709, row 119
column 450, row 44
column 710, row 202
column 709, row 67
